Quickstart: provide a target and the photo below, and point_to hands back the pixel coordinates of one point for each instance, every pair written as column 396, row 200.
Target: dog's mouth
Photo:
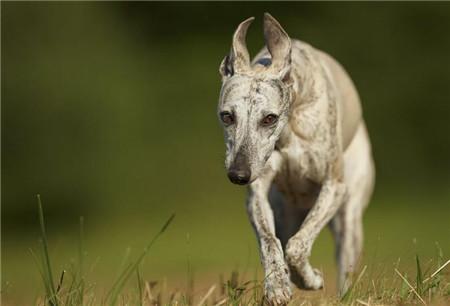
column 240, row 183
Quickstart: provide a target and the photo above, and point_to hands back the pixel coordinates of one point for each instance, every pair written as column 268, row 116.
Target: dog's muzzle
column 239, row 173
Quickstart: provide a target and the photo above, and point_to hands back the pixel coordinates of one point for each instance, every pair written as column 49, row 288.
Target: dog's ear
column 239, row 59
column 279, row 45
column 226, row 67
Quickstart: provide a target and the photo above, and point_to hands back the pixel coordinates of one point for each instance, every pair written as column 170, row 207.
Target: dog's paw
column 314, row 280
column 277, row 293
column 302, row 274
column 309, row 279
column 277, row 286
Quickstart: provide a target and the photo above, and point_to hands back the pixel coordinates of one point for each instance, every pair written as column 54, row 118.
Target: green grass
column 74, row 293
column 426, row 284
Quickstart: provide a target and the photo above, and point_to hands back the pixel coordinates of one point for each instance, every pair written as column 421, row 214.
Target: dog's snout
column 240, row 177
column 240, row 173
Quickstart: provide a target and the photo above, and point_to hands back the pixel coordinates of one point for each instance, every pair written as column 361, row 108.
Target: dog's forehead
column 250, row 89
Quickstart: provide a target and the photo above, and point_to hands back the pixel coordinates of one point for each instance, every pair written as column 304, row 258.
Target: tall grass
column 427, row 286
column 429, row 283
column 44, row 262
column 75, row 293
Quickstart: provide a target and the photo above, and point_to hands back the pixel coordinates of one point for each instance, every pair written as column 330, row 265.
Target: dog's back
column 349, row 106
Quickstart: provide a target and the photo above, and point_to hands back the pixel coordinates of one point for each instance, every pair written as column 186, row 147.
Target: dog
column 295, row 134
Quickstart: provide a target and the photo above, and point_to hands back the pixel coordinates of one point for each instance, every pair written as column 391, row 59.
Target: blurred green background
column 108, row 112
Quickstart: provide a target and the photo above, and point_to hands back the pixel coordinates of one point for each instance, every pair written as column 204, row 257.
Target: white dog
column 295, row 134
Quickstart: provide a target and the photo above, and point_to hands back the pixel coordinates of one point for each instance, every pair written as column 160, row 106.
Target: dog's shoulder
column 318, row 67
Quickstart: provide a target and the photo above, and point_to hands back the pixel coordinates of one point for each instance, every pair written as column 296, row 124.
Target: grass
column 427, row 284
column 74, row 293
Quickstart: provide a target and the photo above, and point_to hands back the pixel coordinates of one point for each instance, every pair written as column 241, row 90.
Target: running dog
column 295, row 135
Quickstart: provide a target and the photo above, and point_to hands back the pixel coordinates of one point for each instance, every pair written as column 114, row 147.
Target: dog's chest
column 301, row 174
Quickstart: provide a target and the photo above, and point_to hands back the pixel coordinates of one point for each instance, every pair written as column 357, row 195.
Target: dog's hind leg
column 346, row 226
column 347, row 231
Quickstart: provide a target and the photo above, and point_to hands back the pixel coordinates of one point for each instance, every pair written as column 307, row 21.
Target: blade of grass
column 80, row 275
column 410, row 286
column 47, row 266
column 405, row 289
column 61, row 279
column 139, row 282
column 72, row 292
column 221, row 302
column 207, row 295
column 190, row 275
column 119, row 279
column 125, row 268
column 437, row 271
column 419, row 276
column 362, row 302
column 48, row 291
column 124, row 264
column 120, row 283
column 349, row 293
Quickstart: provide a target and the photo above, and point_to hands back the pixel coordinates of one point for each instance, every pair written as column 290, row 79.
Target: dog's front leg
column 277, row 287
column 298, row 248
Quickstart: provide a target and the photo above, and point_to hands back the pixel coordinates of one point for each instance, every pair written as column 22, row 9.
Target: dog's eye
column 269, row 119
column 227, row 118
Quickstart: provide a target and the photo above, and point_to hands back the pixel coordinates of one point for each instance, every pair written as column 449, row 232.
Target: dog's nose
column 240, row 177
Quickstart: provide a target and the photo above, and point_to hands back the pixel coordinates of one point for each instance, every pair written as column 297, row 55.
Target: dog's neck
column 308, row 89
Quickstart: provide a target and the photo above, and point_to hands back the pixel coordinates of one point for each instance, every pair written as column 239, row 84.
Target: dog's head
column 254, row 100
